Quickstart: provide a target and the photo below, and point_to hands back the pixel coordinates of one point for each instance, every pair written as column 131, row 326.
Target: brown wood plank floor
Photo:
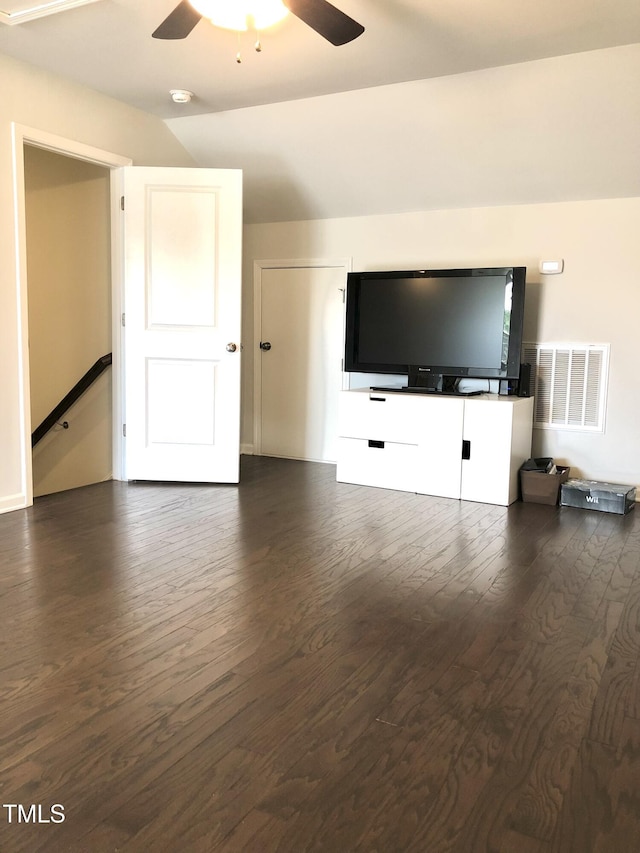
column 300, row 665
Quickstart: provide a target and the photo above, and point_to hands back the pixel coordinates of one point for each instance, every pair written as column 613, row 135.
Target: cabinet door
column 440, row 445
column 488, row 431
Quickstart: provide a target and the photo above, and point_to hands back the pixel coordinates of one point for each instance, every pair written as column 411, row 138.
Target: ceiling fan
column 320, row 15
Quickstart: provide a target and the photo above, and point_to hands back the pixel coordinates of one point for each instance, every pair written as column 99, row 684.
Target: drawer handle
column 378, row 399
column 379, row 444
column 466, row 449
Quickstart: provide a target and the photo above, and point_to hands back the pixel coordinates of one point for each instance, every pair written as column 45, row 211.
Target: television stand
column 454, row 446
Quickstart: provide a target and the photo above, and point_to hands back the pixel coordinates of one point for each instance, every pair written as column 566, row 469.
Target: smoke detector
column 181, row 96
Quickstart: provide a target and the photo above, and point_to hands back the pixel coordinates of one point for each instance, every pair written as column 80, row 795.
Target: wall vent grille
column 569, row 384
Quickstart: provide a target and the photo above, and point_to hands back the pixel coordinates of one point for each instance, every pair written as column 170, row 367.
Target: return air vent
column 569, row 383
column 20, row 11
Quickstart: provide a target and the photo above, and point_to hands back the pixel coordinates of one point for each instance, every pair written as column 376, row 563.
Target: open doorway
column 22, row 138
column 68, row 242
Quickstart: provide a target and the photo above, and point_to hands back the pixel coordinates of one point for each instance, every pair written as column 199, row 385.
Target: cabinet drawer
column 374, row 462
column 392, row 417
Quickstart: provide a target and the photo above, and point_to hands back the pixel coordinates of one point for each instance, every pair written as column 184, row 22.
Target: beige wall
column 596, row 299
column 48, row 104
column 69, row 296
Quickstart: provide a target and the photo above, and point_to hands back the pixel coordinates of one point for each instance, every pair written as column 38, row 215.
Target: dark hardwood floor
column 300, row 665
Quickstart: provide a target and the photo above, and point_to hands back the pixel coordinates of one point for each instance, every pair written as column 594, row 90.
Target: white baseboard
column 247, row 449
column 13, row 502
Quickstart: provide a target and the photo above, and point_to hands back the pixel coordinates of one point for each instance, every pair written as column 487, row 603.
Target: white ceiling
column 107, row 46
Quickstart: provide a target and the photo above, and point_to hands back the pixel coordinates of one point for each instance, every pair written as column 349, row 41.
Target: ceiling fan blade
column 326, row 20
column 179, row 23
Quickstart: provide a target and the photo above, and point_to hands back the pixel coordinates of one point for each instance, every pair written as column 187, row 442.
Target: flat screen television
column 436, row 326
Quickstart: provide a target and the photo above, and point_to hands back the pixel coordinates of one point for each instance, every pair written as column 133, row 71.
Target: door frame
column 22, row 135
column 258, row 266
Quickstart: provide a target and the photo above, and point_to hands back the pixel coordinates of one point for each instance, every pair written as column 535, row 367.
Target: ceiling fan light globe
column 266, row 13
column 238, row 15
column 227, row 14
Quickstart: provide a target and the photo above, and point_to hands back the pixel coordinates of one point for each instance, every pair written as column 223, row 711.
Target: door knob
column 265, row 345
column 231, row 347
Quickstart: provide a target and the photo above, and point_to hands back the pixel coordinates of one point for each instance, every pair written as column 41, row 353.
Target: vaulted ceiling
column 439, row 104
column 107, row 46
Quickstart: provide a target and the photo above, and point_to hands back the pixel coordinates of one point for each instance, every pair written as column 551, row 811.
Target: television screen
column 451, row 323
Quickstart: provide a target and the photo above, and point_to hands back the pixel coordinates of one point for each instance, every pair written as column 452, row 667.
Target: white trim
column 68, row 147
column 12, row 502
column 258, row 267
column 20, row 250
column 22, row 135
column 117, row 332
column 40, row 10
column 246, row 450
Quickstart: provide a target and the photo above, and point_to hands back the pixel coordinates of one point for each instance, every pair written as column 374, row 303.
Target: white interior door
column 182, row 294
column 299, row 375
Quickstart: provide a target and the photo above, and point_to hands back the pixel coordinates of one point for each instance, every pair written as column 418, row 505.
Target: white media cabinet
column 470, row 448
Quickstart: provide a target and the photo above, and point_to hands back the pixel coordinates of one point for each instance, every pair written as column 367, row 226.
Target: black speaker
column 525, row 388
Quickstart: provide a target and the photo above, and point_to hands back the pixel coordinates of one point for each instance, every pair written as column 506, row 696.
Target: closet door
column 299, row 321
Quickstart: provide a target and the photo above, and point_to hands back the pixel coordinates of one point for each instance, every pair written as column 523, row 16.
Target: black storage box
column 541, row 463
column 604, row 497
column 539, row 486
